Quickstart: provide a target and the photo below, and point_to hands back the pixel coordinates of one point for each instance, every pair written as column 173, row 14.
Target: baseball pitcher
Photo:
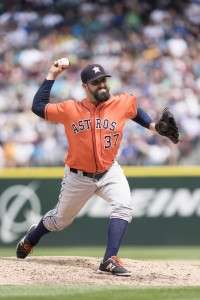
column 93, row 129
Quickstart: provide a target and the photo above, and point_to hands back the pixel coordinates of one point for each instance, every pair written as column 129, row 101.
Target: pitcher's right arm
column 41, row 98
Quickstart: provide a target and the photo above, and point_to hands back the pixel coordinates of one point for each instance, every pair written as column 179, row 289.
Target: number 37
column 111, row 140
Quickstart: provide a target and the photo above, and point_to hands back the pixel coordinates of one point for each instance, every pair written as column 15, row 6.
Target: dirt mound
column 76, row 270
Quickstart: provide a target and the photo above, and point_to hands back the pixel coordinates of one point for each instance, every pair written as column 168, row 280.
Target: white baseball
column 64, row 62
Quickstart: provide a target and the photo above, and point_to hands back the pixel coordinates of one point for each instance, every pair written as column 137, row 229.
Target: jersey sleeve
column 56, row 112
column 131, row 106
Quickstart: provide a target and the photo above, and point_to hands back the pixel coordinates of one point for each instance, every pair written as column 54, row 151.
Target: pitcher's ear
column 84, row 85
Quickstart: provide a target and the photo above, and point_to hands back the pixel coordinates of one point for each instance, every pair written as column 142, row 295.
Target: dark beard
column 101, row 97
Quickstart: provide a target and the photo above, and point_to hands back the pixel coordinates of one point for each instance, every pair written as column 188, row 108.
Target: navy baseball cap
column 93, row 72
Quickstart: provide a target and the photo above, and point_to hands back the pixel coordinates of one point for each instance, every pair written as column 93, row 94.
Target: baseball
column 63, row 62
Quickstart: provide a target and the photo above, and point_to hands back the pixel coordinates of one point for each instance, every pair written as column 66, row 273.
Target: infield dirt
column 76, row 270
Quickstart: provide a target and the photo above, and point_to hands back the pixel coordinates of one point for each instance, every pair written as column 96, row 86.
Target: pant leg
column 75, row 191
column 114, row 188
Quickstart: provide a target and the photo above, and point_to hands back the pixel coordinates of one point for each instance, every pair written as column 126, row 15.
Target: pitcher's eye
column 98, row 81
column 94, row 82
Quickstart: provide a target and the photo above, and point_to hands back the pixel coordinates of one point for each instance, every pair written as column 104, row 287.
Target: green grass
column 98, row 293
column 132, row 252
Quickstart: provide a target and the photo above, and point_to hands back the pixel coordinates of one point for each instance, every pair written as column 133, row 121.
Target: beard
column 101, row 96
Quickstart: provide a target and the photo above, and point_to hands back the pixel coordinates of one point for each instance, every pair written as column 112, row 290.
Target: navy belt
column 90, row 175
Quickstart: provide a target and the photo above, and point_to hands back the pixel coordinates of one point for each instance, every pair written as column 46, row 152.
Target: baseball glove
column 166, row 126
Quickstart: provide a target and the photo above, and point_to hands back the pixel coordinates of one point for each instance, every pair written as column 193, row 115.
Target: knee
column 124, row 213
column 56, row 224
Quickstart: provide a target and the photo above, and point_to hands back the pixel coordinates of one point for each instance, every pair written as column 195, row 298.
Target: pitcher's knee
column 54, row 223
column 122, row 213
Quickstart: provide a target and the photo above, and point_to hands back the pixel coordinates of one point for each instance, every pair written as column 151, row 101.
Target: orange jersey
column 93, row 133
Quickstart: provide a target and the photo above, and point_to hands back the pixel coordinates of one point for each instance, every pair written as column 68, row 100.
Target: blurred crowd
column 151, row 48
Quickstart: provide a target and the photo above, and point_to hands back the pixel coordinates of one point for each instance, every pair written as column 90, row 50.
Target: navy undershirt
column 142, row 118
column 42, row 96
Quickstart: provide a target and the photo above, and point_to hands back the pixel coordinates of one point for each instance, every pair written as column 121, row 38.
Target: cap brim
column 98, row 76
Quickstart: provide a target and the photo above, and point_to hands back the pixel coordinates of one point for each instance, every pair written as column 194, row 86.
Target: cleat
column 24, row 247
column 113, row 266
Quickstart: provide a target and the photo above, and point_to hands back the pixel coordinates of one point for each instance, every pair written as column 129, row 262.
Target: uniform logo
column 99, row 124
column 96, row 69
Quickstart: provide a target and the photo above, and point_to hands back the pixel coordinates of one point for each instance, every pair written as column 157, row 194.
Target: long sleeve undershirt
column 42, row 96
column 142, row 118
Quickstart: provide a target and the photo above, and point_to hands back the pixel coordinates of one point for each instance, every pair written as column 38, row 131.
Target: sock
column 37, row 233
column 116, row 230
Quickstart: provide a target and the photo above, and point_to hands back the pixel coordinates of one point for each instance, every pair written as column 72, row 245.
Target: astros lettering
column 100, row 124
column 100, row 129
